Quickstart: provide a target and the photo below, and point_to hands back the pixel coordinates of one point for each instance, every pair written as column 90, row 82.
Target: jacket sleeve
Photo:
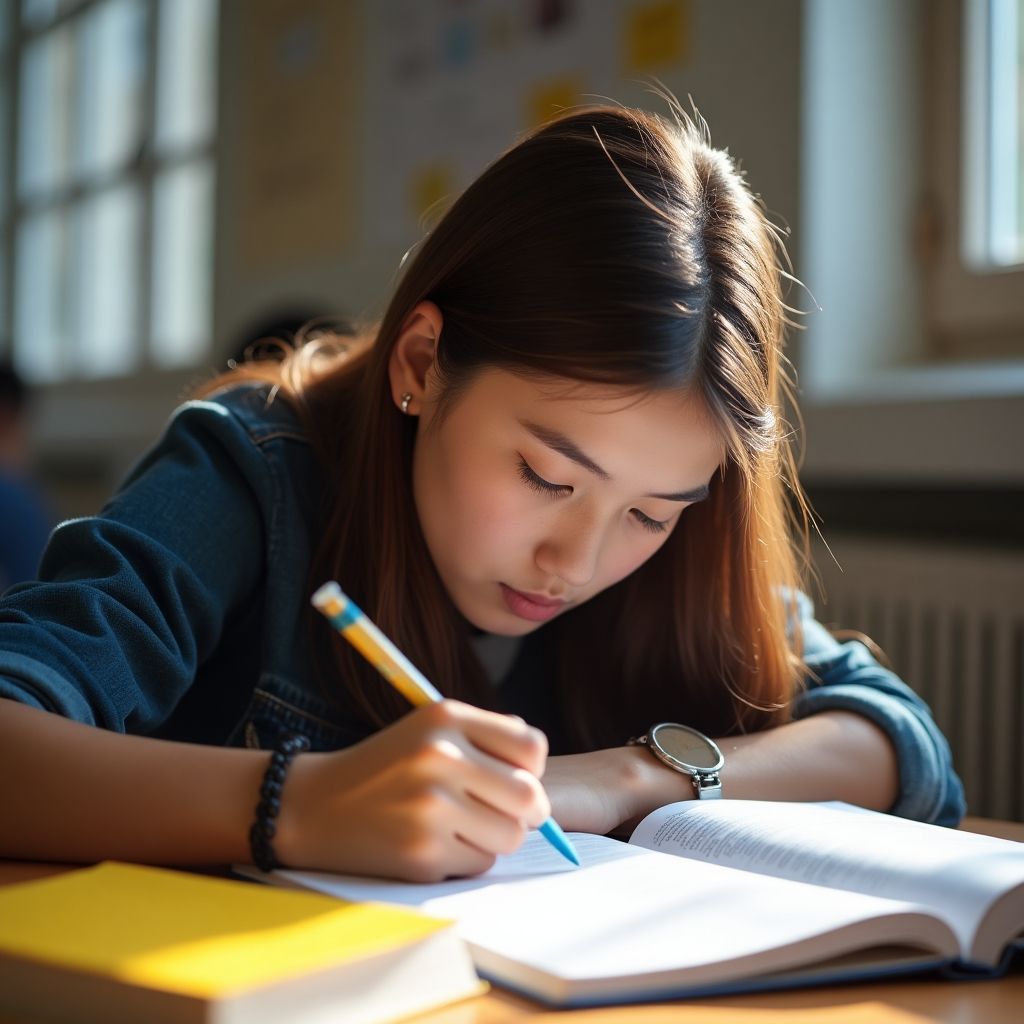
column 130, row 602
column 845, row 676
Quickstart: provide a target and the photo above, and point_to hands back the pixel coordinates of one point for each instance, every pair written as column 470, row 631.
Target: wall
column 736, row 48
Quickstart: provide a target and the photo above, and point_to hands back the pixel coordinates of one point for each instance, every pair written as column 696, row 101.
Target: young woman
column 556, row 474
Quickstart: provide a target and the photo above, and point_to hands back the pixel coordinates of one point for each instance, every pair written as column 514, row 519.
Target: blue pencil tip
column 551, row 831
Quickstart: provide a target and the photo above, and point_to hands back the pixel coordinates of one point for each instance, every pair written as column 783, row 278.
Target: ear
column 413, row 355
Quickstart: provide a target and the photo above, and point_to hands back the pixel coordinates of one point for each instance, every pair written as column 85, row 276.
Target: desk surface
column 892, row 1002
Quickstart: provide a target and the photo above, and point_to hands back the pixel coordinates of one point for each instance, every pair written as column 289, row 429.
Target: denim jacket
column 180, row 611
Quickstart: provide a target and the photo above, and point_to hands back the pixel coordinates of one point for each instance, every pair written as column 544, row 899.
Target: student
column 562, row 447
column 24, row 512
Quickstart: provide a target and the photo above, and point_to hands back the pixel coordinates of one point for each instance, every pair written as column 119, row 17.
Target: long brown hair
column 611, row 246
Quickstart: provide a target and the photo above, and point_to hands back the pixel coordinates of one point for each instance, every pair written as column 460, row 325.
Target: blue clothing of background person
column 25, row 517
column 26, row 520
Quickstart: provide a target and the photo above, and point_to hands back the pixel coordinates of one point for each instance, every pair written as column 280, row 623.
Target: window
column 912, row 363
column 106, row 206
column 993, row 182
column 974, row 230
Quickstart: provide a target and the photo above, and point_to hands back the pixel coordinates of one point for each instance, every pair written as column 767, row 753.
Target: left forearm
column 835, row 755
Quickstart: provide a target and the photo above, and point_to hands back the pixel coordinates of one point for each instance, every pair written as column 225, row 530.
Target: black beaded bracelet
column 265, row 828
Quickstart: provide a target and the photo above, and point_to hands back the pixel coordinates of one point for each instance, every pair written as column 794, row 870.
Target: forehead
column 604, row 419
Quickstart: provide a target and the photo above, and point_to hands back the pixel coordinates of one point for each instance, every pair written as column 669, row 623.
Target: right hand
column 441, row 792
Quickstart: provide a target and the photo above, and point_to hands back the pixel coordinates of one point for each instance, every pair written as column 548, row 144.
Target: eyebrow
column 558, row 442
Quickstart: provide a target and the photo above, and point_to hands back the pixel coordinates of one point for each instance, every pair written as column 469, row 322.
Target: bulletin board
column 298, row 152
column 452, row 82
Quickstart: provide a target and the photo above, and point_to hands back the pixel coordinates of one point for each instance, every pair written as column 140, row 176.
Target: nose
column 571, row 551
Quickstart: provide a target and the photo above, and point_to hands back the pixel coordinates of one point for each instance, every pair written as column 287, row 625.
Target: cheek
column 479, row 508
column 627, row 557
column 492, row 513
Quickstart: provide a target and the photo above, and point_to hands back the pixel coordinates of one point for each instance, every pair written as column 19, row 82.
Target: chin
column 502, row 625
column 514, row 628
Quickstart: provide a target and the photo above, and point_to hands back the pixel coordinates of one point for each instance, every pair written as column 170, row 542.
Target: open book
column 726, row 895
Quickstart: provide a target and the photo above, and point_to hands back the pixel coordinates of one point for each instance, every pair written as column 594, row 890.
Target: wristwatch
column 688, row 751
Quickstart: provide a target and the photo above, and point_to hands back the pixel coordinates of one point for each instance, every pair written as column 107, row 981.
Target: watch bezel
column 684, row 766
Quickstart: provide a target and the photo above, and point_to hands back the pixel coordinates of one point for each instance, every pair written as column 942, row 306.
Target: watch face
column 688, row 747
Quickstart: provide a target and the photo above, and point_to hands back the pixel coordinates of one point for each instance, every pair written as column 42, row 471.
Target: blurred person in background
column 276, row 332
column 25, row 517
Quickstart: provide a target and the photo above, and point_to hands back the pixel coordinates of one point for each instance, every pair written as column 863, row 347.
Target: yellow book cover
column 115, row 941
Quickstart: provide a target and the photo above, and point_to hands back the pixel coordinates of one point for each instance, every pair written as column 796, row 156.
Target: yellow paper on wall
column 657, row 34
column 552, row 96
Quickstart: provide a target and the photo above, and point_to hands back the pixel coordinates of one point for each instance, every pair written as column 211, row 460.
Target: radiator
column 951, row 622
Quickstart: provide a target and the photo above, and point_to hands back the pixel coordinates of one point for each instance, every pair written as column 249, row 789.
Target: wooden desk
column 892, row 1002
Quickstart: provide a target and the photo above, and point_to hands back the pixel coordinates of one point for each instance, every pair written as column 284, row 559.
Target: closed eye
column 538, row 483
column 652, row 525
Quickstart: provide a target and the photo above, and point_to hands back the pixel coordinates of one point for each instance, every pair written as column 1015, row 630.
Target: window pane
column 110, row 88
column 5, row 23
column 186, row 89
column 1015, row 182
column 41, row 315
column 35, row 13
column 1006, row 86
column 5, row 341
column 4, row 126
column 45, row 125
column 182, row 265
column 993, row 134
column 106, row 282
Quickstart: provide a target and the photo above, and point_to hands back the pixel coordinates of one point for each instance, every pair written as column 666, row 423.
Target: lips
column 533, row 607
column 545, row 602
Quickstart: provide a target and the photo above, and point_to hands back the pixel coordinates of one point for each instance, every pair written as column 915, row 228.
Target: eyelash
column 542, row 486
column 538, row 483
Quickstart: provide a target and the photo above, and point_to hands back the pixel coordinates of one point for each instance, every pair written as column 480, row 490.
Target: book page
column 631, row 913
column 534, row 859
column 959, row 874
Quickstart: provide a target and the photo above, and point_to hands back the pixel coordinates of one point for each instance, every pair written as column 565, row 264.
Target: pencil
column 354, row 625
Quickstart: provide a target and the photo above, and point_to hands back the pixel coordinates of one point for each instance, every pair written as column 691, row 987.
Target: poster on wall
column 297, row 151
column 453, row 82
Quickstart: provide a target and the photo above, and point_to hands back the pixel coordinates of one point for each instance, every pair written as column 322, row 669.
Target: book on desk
column 125, row 943
column 722, row 896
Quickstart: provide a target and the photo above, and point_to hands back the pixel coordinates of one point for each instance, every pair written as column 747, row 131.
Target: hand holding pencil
column 357, row 628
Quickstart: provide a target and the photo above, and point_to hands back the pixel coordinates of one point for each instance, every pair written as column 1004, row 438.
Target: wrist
column 263, row 831
column 652, row 783
column 291, row 843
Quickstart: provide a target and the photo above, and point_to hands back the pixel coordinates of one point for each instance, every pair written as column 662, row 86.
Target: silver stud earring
column 406, row 399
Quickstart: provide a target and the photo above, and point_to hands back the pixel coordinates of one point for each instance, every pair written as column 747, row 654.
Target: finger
column 452, row 764
column 463, row 859
column 511, row 791
column 455, row 835
column 466, row 859
column 505, row 737
column 486, row 830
